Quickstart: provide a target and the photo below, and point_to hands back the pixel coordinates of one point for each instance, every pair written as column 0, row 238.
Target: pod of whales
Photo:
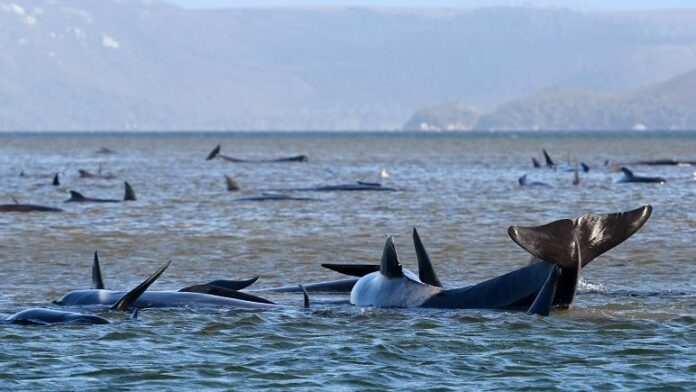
column 562, row 248
column 215, row 153
column 77, row 197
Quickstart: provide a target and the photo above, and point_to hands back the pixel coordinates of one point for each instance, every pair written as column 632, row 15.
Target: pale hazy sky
column 577, row 4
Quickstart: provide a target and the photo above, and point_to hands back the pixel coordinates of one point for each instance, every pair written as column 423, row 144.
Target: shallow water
column 632, row 325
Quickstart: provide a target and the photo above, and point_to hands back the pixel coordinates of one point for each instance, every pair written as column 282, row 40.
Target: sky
column 609, row 5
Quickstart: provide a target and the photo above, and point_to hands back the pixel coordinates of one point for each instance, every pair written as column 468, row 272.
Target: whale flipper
column 358, row 270
column 544, row 300
column 389, row 265
column 233, row 284
column 134, row 294
column 129, row 194
column 224, row 292
column 426, row 272
column 213, row 153
column 97, row 281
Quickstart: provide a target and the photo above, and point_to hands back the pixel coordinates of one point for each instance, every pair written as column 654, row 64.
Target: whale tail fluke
column 595, row 233
column 97, row 281
column 573, row 244
column 129, row 193
column 426, row 272
column 213, row 153
column 131, row 296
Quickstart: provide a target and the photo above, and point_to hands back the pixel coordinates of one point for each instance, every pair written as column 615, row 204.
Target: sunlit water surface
column 632, row 325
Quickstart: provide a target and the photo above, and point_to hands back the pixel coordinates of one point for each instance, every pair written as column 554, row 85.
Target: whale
column 77, row 197
column 524, row 182
column 549, row 163
column 19, row 207
column 560, row 250
column 215, row 153
column 628, row 176
column 219, row 287
column 214, row 294
column 350, row 187
column 274, row 197
column 46, row 316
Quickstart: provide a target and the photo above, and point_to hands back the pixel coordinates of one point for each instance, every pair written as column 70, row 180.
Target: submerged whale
column 628, row 176
column 77, row 197
column 524, row 182
column 44, row 316
column 357, row 186
column 562, row 247
column 19, row 207
column 215, row 153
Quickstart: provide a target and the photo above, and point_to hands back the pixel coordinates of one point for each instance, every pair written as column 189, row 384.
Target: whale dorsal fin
column 390, row 266
column 130, row 193
column 134, row 294
column 76, row 196
column 426, row 272
column 522, row 180
column 535, row 163
column 97, row 281
column 549, row 161
column 358, row 270
column 56, row 181
column 213, row 153
column 232, row 185
column 627, row 172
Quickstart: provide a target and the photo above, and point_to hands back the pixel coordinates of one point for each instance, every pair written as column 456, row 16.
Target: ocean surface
column 632, row 325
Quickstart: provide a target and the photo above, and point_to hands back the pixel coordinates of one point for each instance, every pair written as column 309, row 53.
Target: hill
column 144, row 64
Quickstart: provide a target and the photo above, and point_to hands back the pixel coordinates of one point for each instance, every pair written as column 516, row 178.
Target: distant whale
column 357, row 186
column 565, row 246
column 274, row 197
column 77, row 197
column 552, row 165
column 18, row 207
column 98, row 174
column 215, row 153
column 44, row 316
column 524, row 182
column 628, row 176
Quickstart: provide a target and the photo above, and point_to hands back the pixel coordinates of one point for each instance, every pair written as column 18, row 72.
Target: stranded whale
column 563, row 248
column 77, row 197
column 628, row 176
column 215, row 153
